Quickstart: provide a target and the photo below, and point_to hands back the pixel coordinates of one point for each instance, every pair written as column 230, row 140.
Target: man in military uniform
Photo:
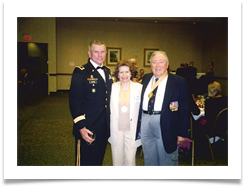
column 89, row 105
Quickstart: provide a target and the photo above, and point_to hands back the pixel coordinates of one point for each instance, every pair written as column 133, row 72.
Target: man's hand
column 180, row 140
column 84, row 133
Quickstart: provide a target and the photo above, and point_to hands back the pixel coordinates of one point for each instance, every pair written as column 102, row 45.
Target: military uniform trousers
column 90, row 155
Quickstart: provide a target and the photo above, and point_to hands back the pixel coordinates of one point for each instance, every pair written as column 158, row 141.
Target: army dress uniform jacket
column 89, row 100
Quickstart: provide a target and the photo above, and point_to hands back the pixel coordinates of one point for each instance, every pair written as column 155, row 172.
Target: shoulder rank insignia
column 80, row 67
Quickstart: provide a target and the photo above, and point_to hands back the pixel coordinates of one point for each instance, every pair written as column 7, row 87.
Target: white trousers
column 123, row 154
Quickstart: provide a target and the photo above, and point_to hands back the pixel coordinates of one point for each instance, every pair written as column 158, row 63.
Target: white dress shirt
column 159, row 95
column 101, row 71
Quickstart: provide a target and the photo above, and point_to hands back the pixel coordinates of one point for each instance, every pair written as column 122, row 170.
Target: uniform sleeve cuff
column 79, row 118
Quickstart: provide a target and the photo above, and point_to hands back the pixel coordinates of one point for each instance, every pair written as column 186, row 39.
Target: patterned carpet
column 45, row 136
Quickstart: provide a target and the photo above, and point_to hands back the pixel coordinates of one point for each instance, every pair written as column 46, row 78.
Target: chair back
column 221, row 123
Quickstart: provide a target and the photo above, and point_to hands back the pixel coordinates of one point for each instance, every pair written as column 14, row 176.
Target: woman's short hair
column 123, row 63
column 214, row 89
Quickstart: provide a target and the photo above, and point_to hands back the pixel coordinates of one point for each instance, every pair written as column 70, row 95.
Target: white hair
column 159, row 52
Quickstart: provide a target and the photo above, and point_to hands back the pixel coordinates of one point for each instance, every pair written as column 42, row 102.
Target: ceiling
column 159, row 20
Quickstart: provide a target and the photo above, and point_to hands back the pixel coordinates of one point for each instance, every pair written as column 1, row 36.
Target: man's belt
column 153, row 112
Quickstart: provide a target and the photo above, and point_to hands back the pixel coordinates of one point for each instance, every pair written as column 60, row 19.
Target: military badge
column 92, row 80
column 174, row 106
column 150, row 95
column 80, row 67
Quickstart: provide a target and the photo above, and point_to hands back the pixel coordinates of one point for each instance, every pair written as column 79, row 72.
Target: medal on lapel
column 174, row 106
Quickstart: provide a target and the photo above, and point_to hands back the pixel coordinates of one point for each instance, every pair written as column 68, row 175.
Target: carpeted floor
column 45, row 136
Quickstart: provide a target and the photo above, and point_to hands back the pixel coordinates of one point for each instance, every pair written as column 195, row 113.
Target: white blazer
column 135, row 93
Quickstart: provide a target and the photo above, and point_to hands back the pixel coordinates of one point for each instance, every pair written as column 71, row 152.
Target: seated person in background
column 134, row 80
column 135, row 67
column 25, row 82
column 24, row 77
column 214, row 105
column 140, row 75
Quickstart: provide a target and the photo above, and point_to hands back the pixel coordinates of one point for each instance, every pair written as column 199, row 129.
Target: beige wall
column 68, row 40
column 183, row 43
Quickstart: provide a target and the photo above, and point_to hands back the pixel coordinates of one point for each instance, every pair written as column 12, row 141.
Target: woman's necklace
column 124, row 96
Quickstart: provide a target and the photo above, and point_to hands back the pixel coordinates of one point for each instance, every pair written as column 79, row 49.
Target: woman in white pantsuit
column 124, row 105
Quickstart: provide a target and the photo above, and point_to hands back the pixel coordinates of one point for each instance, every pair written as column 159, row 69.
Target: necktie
column 152, row 100
column 100, row 67
column 102, row 73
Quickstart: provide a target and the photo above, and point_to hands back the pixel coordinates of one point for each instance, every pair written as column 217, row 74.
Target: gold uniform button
column 105, row 106
column 106, row 99
column 106, row 92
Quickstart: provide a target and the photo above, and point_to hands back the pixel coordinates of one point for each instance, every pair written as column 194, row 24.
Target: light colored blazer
column 135, row 93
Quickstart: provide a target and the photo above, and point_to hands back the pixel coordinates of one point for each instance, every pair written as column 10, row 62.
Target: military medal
column 92, row 80
column 174, row 106
column 150, row 95
column 124, row 109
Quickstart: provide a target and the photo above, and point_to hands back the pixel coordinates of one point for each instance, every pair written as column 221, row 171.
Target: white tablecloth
column 196, row 117
column 202, row 113
column 200, row 74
